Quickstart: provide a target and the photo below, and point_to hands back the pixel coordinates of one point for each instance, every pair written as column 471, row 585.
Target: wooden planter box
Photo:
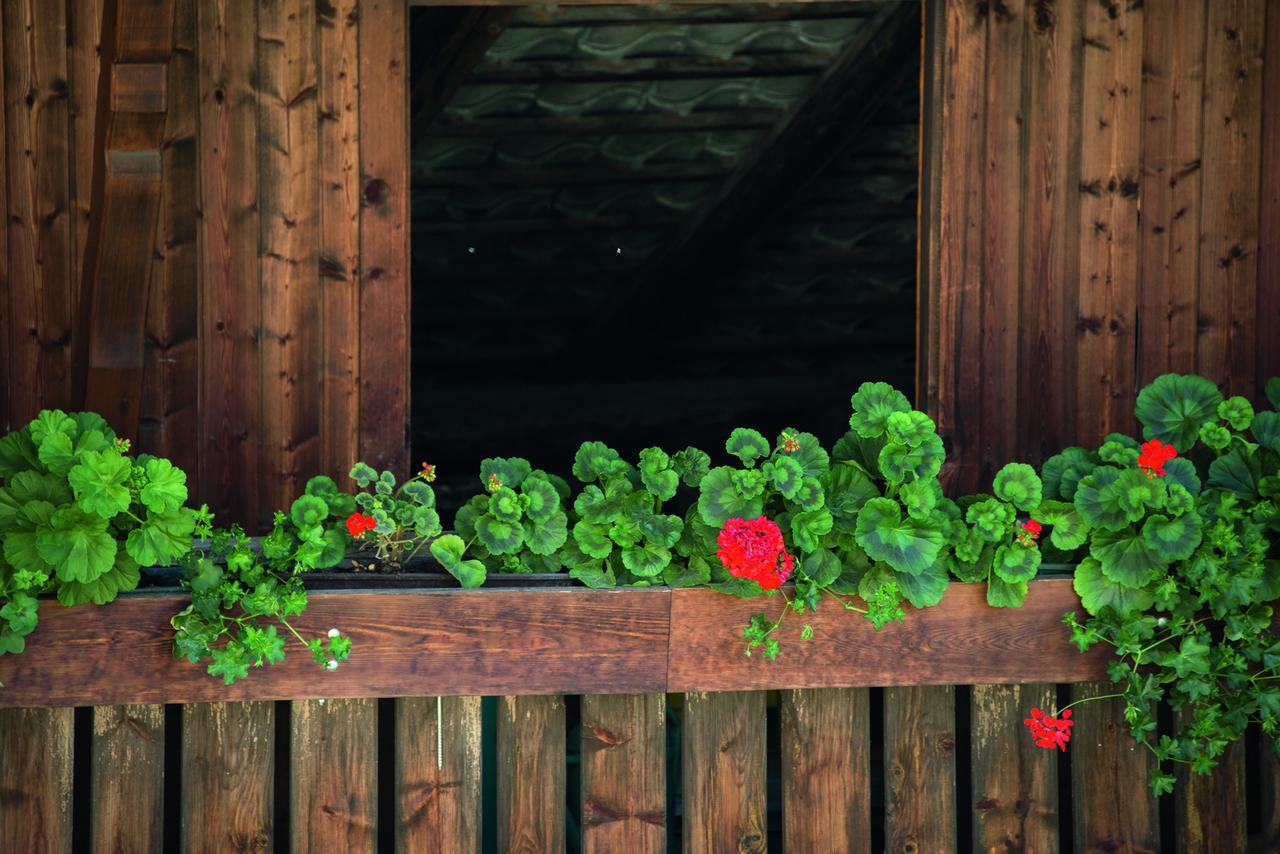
column 551, row 641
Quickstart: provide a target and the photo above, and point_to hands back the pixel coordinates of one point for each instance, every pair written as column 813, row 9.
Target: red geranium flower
column 754, row 549
column 1049, row 731
column 358, row 523
column 428, row 473
column 1033, row 528
column 1153, row 455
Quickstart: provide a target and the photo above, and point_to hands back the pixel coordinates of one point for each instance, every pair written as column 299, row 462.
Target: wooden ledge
column 429, row 642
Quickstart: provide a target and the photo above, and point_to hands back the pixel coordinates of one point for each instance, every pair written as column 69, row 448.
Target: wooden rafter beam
column 451, row 41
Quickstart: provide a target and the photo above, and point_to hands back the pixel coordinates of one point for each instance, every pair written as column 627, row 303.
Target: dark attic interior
column 650, row 224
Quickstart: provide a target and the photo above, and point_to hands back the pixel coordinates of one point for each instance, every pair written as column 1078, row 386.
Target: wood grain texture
column 35, row 765
column 333, row 786
column 531, row 774
column 928, row 203
column 7, row 344
column 1110, row 180
column 127, row 768
column 920, row 770
column 384, row 234
column 624, row 773
column 84, row 63
column 228, row 778
column 826, row 772
column 438, row 795
column 1209, row 811
column 1112, row 807
column 724, row 772
column 1266, row 838
column 1269, row 202
column 961, row 641
column 230, row 307
column 1014, row 782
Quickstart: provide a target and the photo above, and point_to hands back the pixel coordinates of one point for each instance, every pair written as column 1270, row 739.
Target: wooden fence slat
column 724, row 772
column 35, row 777
column 1112, row 807
column 8, row 414
column 1267, row 838
column 128, row 786
column 333, row 784
column 228, row 777
column 826, row 770
column 1015, row 783
column 1210, row 810
column 624, row 773
column 920, row 769
column 84, row 63
column 531, row 774
column 1269, row 202
column 438, row 794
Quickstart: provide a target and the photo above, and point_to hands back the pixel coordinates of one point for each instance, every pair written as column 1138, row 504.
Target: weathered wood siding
column 1098, row 214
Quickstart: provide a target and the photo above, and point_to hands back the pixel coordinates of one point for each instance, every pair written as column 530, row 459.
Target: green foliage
column 1175, row 406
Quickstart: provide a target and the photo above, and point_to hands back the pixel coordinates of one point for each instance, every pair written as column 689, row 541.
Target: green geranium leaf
column 1019, row 484
column 719, row 500
column 426, row 521
column 166, row 487
column 646, row 560
column 306, row 511
column 1266, row 429
column 821, row 566
column 541, row 498
column 1173, row 407
column 912, row 428
column 1097, row 499
column 504, row 504
column 1272, row 391
column 28, row 486
column 52, row 422
column 122, row 576
column 1182, row 471
column 162, row 539
column 593, row 540
column 920, row 497
column 899, row 463
column 991, row 519
column 809, row 527
column 1069, row 531
column 846, row 489
column 747, row 445
column 363, row 474
column 785, row 474
column 1214, row 435
column 594, row 575
column 1016, row 563
column 691, row 573
column 1119, row 454
column 101, row 483
column 510, row 471
column 743, row 588
column 500, row 536
column 77, row 545
column 1173, row 539
column 448, row 549
column 662, row 484
column 1063, row 472
column 809, row 496
column 1135, row 493
column 1004, row 594
column 1236, row 471
column 662, row 530
column 321, row 486
column 692, row 465
column 1179, row 500
column 924, row 589
column 544, row 537
column 1236, row 411
column 470, row 573
column 592, row 505
column 18, row 454
column 873, row 403
column 594, row 460
column 1125, row 557
column 812, row 457
column 908, row 545
column 654, row 460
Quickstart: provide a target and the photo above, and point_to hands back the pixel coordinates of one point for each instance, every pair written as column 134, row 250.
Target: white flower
column 332, row 664
column 333, row 633
column 1162, row 621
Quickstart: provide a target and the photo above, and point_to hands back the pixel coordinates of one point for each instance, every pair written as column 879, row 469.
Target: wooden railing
column 908, row 739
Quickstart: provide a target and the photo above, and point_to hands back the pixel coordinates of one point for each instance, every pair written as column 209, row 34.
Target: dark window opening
column 650, row 224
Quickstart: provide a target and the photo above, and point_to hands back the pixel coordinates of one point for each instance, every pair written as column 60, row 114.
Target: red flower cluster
column 1049, row 731
column 790, row 442
column 358, row 523
column 494, row 483
column 428, row 473
column 1030, row 533
column 754, row 549
column 1153, row 456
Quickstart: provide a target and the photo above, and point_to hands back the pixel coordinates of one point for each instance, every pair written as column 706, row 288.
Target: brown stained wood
column 145, row 26
column 1050, row 257
column 1002, row 237
column 139, row 87
column 403, row 644
column 1267, row 836
column 339, row 247
column 127, row 810
column 1234, row 34
column 84, row 61
column 1014, row 782
column 35, row 765
column 826, row 774
column 531, row 774
column 438, row 794
column 624, row 774
column 6, row 342
column 1110, row 182
column 1113, row 809
column 230, row 308
column 40, row 238
column 1172, row 113
column 333, row 784
column 228, row 778
column 920, row 770
column 928, row 202
column 384, row 234
column 958, row 289
column 724, row 772
column 960, row 641
column 1269, row 203
column 1209, row 811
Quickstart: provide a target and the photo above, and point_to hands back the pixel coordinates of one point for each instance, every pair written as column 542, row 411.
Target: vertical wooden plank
column 531, row 774
column 7, row 288
column 1210, row 810
column 1172, row 112
column 339, row 259
column 958, row 291
column 1015, row 783
column 39, row 195
column 933, row 47
column 384, row 234
column 1050, row 255
column 228, row 777
column 1110, row 154
column 1269, row 215
column 438, row 794
column 826, row 770
column 35, row 774
column 624, row 779
column 84, row 62
column 333, row 785
column 289, row 209
column 724, row 772
column 1267, row 837
column 1229, row 205
column 230, row 303
column 920, row 769
column 1112, row 807
column 1002, row 236
column 127, row 807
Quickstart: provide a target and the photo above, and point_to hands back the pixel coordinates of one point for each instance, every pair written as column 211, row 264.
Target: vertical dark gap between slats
column 1066, row 809
column 876, row 761
column 81, row 778
column 675, row 809
column 964, row 766
column 573, row 773
column 171, row 831
column 489, row 773
column 387, row 775
column 773, row 773
column 1168, row 815
column 283, row 769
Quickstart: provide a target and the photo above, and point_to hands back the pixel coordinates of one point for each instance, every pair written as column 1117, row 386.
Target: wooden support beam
column 453, row 40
